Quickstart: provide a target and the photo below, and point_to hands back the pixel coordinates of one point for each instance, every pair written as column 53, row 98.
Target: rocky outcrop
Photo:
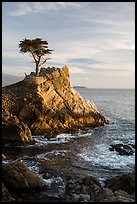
column 88, row 189
column 19, row 181
column 21, row 185
column 14, row 130
column 125, row 182
column 47, row 104
column 17, row 176
column 122, row 149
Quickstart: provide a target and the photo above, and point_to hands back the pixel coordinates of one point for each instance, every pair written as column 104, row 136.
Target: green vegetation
column 38, row 49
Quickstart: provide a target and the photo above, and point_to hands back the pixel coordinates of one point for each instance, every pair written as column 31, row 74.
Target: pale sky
column 96, row 40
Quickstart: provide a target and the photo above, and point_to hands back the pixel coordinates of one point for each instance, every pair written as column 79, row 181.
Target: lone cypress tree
column 38, row 49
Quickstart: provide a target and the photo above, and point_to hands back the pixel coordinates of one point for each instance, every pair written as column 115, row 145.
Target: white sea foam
column 50, row 182
column 7, row 161
column 102, row 156
column 65, row 137
column 54, row 180
column 52, row 153
column 61, row 138
column 33, row 166
column 102, row 181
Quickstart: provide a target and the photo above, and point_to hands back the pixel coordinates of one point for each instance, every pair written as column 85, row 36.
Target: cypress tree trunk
column 37, row 69
column 37, row 65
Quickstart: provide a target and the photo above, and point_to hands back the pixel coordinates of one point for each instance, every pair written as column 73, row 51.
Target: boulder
column 125, row 182
column 84, row 197
column 17, row 176
column 107, row 195
column 103, row 193
column 75, row 197
column 90, row 180
column 117, row 199
column 14, row 130
column 122, row 149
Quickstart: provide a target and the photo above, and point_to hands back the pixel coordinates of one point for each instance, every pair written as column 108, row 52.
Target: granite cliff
column 47, row 104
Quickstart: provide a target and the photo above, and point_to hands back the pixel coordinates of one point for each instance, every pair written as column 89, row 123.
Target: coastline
column 53, row 156
column 64, row 175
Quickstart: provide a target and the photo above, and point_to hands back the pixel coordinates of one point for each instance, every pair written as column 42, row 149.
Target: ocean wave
column 103, row 157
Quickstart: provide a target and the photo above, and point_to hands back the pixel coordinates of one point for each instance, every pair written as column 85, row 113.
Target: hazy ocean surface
column 88, row 150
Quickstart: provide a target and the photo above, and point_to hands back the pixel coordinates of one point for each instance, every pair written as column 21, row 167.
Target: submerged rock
column 47, row 104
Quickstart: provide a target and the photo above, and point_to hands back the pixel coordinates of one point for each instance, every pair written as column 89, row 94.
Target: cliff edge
column 47, row 104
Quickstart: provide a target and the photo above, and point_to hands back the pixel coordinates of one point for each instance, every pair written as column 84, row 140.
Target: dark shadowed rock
column 122, row 149
column 6, row 196
column 14, row 130
column 118, row 199
column 88, row 189
column 89, row 180
column 17, row 176
column 124, row 182
column 102, row 194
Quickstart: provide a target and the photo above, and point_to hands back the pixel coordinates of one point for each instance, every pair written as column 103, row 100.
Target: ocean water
column 118, row 106
column 88, row 150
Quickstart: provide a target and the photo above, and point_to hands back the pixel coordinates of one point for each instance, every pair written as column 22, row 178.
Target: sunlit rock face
column 47, row 104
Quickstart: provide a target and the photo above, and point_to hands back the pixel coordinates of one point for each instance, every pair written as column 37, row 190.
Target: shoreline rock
column 123, row 149
column 80, row 191
column 16, row 176
column 78, row 188
column 124, row 182
column 47, row 104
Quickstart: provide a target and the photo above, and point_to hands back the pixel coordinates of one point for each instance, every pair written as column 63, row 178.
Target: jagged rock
column 125, row 182
column 6, row 196
column 90, row 180
column 107, row 195
column 119, row 196
column 90, row 190
column 122, row 149
column 3, row 157
column 102, row 194
column 47, row 104
column 75, row 197
column 17, row 176
column 14, row 130
column 84, row 197
column 121, row 193
column 117, row 199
